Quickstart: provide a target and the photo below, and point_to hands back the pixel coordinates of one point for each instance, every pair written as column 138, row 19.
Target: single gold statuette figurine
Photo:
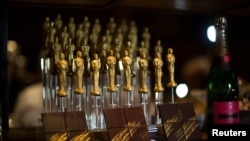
column 103, row 54
column 79, row 62
column 158, row 47
column 127, row 62
column 70, row 48
column 96, row 65
column 85, row 50
column 171, row 60
column 158, row 63
column 56, row 48
column 143, row 65
column 62, row 66
column 111, row 61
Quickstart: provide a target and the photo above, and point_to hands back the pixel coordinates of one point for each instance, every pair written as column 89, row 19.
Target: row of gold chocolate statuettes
column 95, row 65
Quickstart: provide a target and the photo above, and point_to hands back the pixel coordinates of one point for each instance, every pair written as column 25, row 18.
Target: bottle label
column 226, row 112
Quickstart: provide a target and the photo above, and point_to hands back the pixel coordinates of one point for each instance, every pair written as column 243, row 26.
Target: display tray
column 36, row 134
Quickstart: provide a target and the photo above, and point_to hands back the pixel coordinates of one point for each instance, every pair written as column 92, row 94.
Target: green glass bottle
column 222, row 87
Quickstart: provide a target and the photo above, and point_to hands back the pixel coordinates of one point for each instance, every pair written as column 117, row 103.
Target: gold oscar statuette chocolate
column 171, row 62
column 62, row 66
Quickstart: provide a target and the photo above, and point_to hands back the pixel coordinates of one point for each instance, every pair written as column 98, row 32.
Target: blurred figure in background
column 18, row 74
column 25, row 89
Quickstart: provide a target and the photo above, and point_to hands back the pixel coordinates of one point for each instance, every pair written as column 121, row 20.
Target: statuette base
column 62, row 93
column 171, row 84
column 158, row 89
column 128, row 88
column 95, row 92
column 143, row 90
column 112, row 89
column 79, row 91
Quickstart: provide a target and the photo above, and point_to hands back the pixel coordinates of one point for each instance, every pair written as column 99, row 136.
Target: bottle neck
column 221, row 46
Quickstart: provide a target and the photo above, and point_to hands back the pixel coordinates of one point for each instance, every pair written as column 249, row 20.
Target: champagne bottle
column 222, row 87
